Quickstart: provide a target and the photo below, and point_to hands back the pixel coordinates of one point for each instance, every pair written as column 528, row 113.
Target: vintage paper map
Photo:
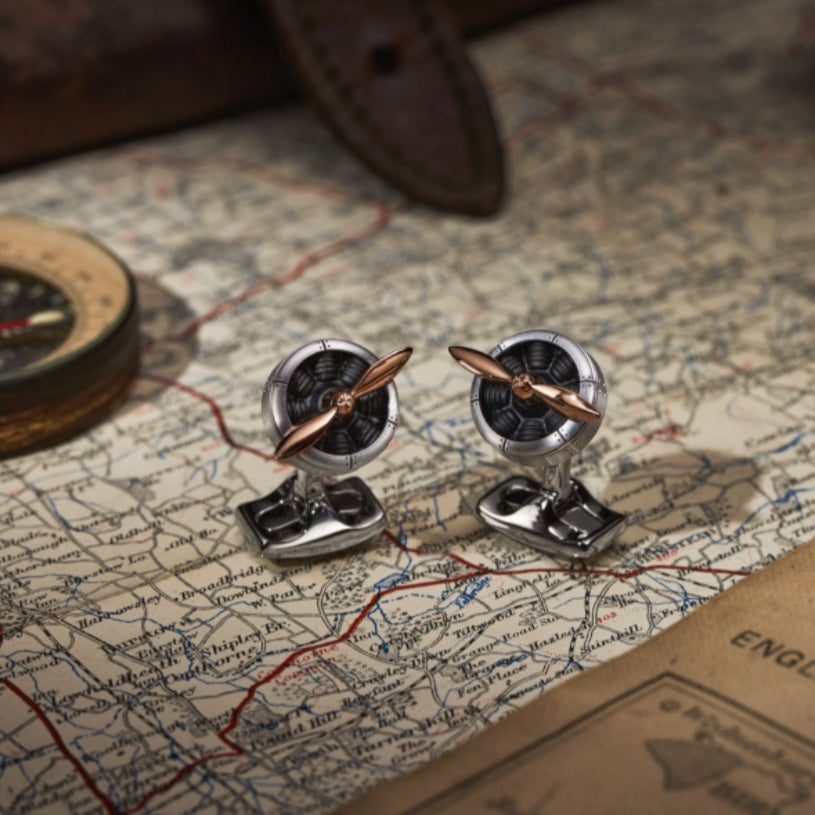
column 662, row 213
column 713, row 716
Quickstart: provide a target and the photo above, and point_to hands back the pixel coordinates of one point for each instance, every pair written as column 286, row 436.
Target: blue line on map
column 690, row 362
column 402, row 538
column 569, row 662
column 504, row 661
column 685, row 601
column 761, row 300
column 439, row 520
column 470, row 590
column 533, row 654
column 10, row 658
column 209, row 781
column 31, row 787
column 666, row 585
column 384, row 647
column 211, row 464
column 102, row 465
column 788, row 446
column 452, row 375
column 431, row 424
column 391, row 580
column 88, row 758
column 602, row 330
column 789, row 495
column 783, row 328
column 52, row 504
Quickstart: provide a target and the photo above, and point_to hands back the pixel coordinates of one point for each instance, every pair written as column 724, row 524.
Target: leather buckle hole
column 385, row 59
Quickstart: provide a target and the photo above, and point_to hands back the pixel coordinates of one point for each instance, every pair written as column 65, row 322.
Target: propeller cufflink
column 538, row 398
column 330, row 407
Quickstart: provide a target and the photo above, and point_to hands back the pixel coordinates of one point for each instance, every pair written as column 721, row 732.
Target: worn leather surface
column 392, row 79
column 80, row 73
column 76, row 73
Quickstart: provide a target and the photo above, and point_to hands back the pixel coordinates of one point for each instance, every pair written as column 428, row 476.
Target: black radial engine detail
column 528, row 419
column 309, row 391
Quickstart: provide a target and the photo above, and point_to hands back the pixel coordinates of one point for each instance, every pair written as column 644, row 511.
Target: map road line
column 54, row 733
column 255, row 171
column 571, row 569
column 380, row 222
column 214, row 408
column 235, row 749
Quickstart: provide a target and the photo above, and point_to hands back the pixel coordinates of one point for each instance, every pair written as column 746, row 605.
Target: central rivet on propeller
column 343, row 401
column 522, row 386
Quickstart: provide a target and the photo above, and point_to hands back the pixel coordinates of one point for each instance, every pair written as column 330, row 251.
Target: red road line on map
column 256, row 171
column 308, row 260
column 233, row 719
column 638, row 97
column 626, row 575
column 382, row 219
column 54, row 733
column 227, row 436
column 214, row 408
column 633, row 92
column 235, row 749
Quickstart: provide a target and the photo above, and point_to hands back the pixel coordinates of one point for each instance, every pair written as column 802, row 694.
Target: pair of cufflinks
column 538, row 397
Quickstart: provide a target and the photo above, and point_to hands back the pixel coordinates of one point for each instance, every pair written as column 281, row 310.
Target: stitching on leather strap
column 429, row 29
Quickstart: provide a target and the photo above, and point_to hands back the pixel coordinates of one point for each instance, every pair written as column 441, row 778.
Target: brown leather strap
column 391, row 78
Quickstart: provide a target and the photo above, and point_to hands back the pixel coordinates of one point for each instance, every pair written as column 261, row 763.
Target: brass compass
column 68, row 333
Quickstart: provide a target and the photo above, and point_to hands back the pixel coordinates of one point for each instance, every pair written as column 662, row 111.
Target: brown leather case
column 79, row 73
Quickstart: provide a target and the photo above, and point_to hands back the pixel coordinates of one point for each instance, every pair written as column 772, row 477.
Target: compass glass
column 35, row 319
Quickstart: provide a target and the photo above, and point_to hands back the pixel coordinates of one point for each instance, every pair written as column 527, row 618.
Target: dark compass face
column 310, row 389
column 35, row 319
column 527, row 420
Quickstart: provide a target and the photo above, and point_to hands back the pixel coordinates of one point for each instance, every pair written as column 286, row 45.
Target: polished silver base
column 310, row 517
column 573, row 525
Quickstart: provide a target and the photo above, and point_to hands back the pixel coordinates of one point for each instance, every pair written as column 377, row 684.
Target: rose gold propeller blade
column 303, row 435
column 566, row 402
column 480, row 364
column 381, row 372
column 563, row 400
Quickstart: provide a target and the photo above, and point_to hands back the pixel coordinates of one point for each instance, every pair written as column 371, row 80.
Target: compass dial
column 35, row 319
column 68, row 333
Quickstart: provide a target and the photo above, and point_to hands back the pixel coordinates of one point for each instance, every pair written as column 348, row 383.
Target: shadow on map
column 166, row 353
column 682, row 492
column 675, row 494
